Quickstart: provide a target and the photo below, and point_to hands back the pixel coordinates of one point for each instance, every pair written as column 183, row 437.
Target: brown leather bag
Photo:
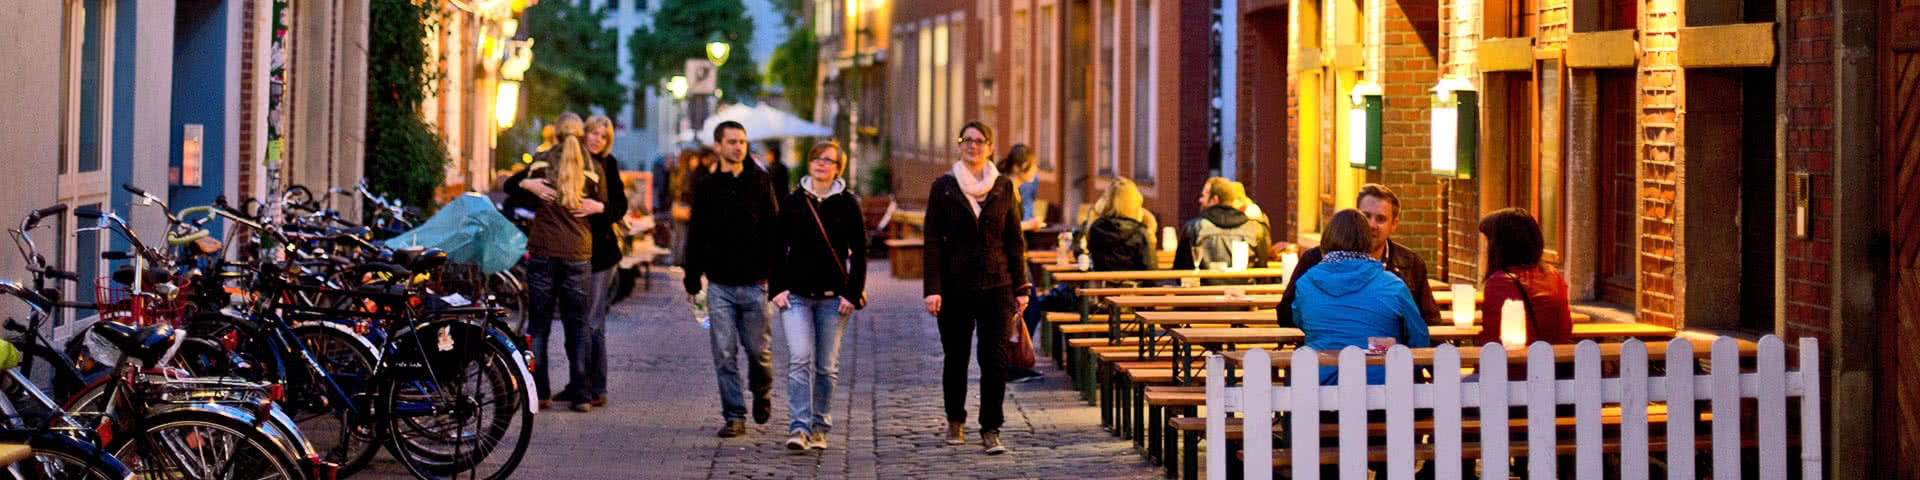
column 1019, row 344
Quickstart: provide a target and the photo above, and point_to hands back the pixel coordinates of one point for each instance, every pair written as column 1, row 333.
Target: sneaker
column 733, row 429
column 600, row 401
column 797, row 441
column 992, row 441
column 762, row 409
column 582, row 407
column 956, row 433
column 1036, row 376
column 817, row 441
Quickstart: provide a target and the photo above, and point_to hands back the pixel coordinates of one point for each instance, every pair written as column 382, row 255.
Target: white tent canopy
column 762, row 122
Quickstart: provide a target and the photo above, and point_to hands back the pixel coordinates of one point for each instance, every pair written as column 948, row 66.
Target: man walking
column 731, row 241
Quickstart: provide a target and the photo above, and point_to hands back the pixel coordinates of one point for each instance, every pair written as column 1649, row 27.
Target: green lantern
column 1456, row 128
column 1363, row 127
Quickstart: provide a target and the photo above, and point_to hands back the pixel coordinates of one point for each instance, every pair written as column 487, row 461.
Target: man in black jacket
column 731, row 241
column 1382, row 208
column 1204, row 240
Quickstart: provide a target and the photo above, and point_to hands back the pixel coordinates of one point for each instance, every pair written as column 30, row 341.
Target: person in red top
column 1514, row 271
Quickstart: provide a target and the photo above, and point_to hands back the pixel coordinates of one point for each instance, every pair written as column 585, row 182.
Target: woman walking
column 565, row 187
column 821, row 282
column 976, row 278
column 606, row 256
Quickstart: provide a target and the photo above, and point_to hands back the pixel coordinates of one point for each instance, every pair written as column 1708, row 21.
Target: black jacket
column 1400, row 261
column 732, row 238
column 807, row 266
column 1120, row 243
column 969, row 254
column 1223, row 217
column 606, row 246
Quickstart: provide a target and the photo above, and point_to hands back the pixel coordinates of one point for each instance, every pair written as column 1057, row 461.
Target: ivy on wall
column 405, row 156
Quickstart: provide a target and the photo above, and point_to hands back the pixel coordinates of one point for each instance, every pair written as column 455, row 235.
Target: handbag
column 858, row 303
column 1019, row 344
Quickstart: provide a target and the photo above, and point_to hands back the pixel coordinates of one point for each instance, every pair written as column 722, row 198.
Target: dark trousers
column 559, row 285
column 962, row 314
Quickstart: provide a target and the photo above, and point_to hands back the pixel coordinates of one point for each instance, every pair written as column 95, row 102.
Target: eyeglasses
column 974, row 142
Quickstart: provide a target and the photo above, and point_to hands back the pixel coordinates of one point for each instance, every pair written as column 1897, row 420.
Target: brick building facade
column 1689, row 161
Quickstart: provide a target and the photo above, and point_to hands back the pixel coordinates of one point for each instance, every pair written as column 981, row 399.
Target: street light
column 717, row 51
column 677, row 85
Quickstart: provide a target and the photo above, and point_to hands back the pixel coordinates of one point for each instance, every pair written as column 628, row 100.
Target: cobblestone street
column 886, row 410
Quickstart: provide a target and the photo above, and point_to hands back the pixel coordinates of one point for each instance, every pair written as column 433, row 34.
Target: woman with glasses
column 974, row 258
column 821, row 280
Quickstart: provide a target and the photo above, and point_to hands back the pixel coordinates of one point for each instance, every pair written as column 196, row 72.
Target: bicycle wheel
column 196, row 445
column 335, row 430
column 57, row 457
column 454, row 427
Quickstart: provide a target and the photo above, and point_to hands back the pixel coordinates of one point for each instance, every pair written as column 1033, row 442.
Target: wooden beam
column 1727, row 46
column 1506, row 54
column 1611, row 49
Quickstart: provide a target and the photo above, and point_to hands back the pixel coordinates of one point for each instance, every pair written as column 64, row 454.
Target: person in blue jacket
column 1349, row 296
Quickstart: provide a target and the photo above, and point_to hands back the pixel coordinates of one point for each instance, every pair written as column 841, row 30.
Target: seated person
column 1514, row 271
column 1349, row 296
column 1122, row 238
column 1382, row 210
column 1206, row 242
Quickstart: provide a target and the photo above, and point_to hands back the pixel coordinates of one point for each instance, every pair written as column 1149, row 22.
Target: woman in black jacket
column 606, row 256
column 1121, row 238
column 821, row 281
column 975, row 256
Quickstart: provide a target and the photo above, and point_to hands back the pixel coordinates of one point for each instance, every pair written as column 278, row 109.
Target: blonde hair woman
column 606, row 256
column 567, row 187
column 1121, row 237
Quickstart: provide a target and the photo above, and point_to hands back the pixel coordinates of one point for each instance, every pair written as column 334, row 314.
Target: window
column 942, row 88
column 956, row 79
column 91, row 92
column 1109, row 160
column 822, row 18
column 925, row 82
column 1017, row 77
column 1143, row 93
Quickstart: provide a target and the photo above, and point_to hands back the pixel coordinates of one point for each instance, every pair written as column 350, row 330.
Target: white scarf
column 976, row 188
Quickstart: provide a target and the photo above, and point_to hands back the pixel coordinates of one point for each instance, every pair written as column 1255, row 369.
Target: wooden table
column 1255, row 289
column 1185, row 339
column 1166, row 275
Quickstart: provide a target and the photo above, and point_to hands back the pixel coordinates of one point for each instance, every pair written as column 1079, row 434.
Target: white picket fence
column 1588, row 391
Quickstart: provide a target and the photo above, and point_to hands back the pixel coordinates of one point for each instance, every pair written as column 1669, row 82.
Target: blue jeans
column 594, row 349
column 813, row 360
column 558, row 284
column 737, row 315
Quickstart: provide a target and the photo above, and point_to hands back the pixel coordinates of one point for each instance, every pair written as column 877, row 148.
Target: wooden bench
column 904, row 256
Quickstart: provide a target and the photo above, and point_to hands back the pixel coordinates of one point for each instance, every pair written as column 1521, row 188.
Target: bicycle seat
column 427, row 260
column 145, row 343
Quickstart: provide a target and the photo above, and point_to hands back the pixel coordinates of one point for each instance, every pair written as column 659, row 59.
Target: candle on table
column 1513, row 325
column 1463, row 304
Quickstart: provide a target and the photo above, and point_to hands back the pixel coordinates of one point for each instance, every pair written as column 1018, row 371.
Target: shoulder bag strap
column 825, row 237
column 1525, row 299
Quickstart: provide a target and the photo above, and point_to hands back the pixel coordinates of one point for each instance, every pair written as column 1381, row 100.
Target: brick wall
column 1808, row 57
column 1661, row 91
column 1460, row 32
column 1412, row 67
column 248, row 72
